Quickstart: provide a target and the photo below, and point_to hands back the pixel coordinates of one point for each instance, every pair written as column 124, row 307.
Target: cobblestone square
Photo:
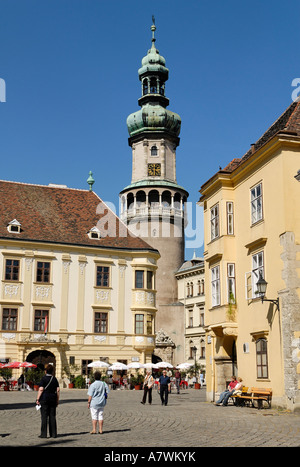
column 188, row 421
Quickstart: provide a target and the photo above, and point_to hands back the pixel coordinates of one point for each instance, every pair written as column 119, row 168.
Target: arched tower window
column 154, row 151
column 153, row 86
column 145, row 86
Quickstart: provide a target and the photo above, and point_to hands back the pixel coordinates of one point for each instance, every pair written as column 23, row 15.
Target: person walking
column 48, row 398
column 164, row 387
column 97, row 393
column 147, row 386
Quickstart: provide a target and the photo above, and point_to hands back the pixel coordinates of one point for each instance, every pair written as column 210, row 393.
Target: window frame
column 255, row 199
column 42, row 274
column 139, row 323
column 230, row 215
column 100, row 320
column 40, row 319
column 262, row 367
column 100, row 279
column 11, row 273
column 139, row 283
column 255, row 272
column 12, row 319
column 214, row 222
column 231, row 283
column 215, row 286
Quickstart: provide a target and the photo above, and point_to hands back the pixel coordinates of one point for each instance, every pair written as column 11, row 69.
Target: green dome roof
column 153, row 63
column 153, row 117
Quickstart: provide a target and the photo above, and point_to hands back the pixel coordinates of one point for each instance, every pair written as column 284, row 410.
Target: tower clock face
column 154, row 169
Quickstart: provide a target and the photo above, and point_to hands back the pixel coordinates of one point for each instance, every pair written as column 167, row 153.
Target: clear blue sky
column 70, row 68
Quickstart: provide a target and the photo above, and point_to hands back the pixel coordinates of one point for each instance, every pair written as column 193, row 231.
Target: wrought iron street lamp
column 261, row 291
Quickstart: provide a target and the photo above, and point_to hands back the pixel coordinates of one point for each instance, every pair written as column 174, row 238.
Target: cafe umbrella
column 20, row 365
column 98, row 364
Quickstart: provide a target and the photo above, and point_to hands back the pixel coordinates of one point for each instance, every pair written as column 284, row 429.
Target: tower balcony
column 151, row 211
column 150, row 203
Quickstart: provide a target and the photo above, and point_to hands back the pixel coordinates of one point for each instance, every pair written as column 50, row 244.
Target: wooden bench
column 249, row 395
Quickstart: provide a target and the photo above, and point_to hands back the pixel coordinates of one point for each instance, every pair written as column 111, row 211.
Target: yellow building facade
column 75, row 285
column 252, row 231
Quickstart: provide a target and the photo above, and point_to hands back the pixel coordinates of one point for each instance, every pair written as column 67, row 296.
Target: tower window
column 145, row 87
column 154, row 151
column 153, row 86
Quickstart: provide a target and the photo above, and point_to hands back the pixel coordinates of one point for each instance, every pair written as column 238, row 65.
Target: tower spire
column 153, row 29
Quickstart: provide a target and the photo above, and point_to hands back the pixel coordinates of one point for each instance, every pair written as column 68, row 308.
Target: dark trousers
column 164, row 394
column 149, row 392
column 48, row 412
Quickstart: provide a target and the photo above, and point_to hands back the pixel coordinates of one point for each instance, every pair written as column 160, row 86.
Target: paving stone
column 188, row 421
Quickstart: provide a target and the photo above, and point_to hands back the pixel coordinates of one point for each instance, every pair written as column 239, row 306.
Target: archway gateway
column 41, row 358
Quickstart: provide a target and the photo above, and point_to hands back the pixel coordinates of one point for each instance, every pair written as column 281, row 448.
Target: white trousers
column 97, row 414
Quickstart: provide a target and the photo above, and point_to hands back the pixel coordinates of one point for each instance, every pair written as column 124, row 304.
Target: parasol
column 184, row 366
column 118, row 366
column 20, row 365
column 135, row 365
column 98, row 364
column 164, row 365
column 151, row 365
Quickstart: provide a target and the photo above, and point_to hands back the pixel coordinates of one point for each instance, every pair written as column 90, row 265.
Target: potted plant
column 6, row 374
column 69, row 371
column 79, row 382
column 137, row 381
column 34, row 376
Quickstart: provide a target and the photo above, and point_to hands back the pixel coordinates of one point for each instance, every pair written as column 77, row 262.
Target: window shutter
column 248, row 285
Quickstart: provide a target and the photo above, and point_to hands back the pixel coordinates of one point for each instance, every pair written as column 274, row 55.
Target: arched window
column 145, row 86
column 154, row 151
column 153, row 85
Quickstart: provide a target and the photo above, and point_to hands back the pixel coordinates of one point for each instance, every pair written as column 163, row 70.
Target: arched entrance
column 41, row 358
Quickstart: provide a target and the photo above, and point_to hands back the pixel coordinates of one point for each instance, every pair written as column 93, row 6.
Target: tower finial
column 90, row 180
column 153, row 29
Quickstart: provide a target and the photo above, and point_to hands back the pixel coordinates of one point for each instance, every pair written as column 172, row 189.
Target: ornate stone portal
column 164, row 347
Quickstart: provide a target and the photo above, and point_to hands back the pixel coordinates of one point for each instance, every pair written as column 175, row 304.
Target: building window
column 201, row 317
column 102, row 276
column 85, row 369
column 41, row 320
column 43, row 272
column 12, row 267
column 149, row 324
column 215, row 286
column 190, row 318
column 257, row 270
column 231, row 282
column 262, row 358
column 101, row 323
column 201, row 287
column 145, row 86
column 154, row 151
column 149, row 280
column 153, row 85
column 139, row 279
column 214, row 222
column 256, row 204
column 9, row 319
column 229, row 209
column 139, row 324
